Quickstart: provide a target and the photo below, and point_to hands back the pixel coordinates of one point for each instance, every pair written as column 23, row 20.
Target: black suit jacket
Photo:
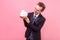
column 34, row 27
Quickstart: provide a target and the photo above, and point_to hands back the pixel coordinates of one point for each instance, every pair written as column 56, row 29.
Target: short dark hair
column 41, row 4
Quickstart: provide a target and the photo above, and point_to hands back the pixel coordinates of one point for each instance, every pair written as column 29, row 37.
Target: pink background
column 12, row 27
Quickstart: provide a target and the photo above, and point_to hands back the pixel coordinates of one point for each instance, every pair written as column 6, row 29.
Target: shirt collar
column 36, row 15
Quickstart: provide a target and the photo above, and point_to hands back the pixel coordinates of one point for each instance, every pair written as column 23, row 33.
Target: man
column 34, row 22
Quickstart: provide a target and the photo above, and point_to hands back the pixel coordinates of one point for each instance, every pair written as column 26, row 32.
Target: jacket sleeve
column 25, row 23
column 35, row 28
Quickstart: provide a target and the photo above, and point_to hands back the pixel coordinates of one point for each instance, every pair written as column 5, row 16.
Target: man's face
column 37, row 9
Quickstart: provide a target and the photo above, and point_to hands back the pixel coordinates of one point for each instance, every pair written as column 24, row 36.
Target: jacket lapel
column 36, row 20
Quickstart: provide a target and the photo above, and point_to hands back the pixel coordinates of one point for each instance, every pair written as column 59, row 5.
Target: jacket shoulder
column 30, row 13
column 43, row 18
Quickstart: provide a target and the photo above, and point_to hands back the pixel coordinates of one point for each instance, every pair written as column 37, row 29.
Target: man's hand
column 25, row 18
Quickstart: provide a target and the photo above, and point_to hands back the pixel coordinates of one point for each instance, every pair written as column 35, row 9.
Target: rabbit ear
column 23, row 13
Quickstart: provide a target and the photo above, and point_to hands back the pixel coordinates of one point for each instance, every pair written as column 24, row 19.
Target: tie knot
column 35, row 17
